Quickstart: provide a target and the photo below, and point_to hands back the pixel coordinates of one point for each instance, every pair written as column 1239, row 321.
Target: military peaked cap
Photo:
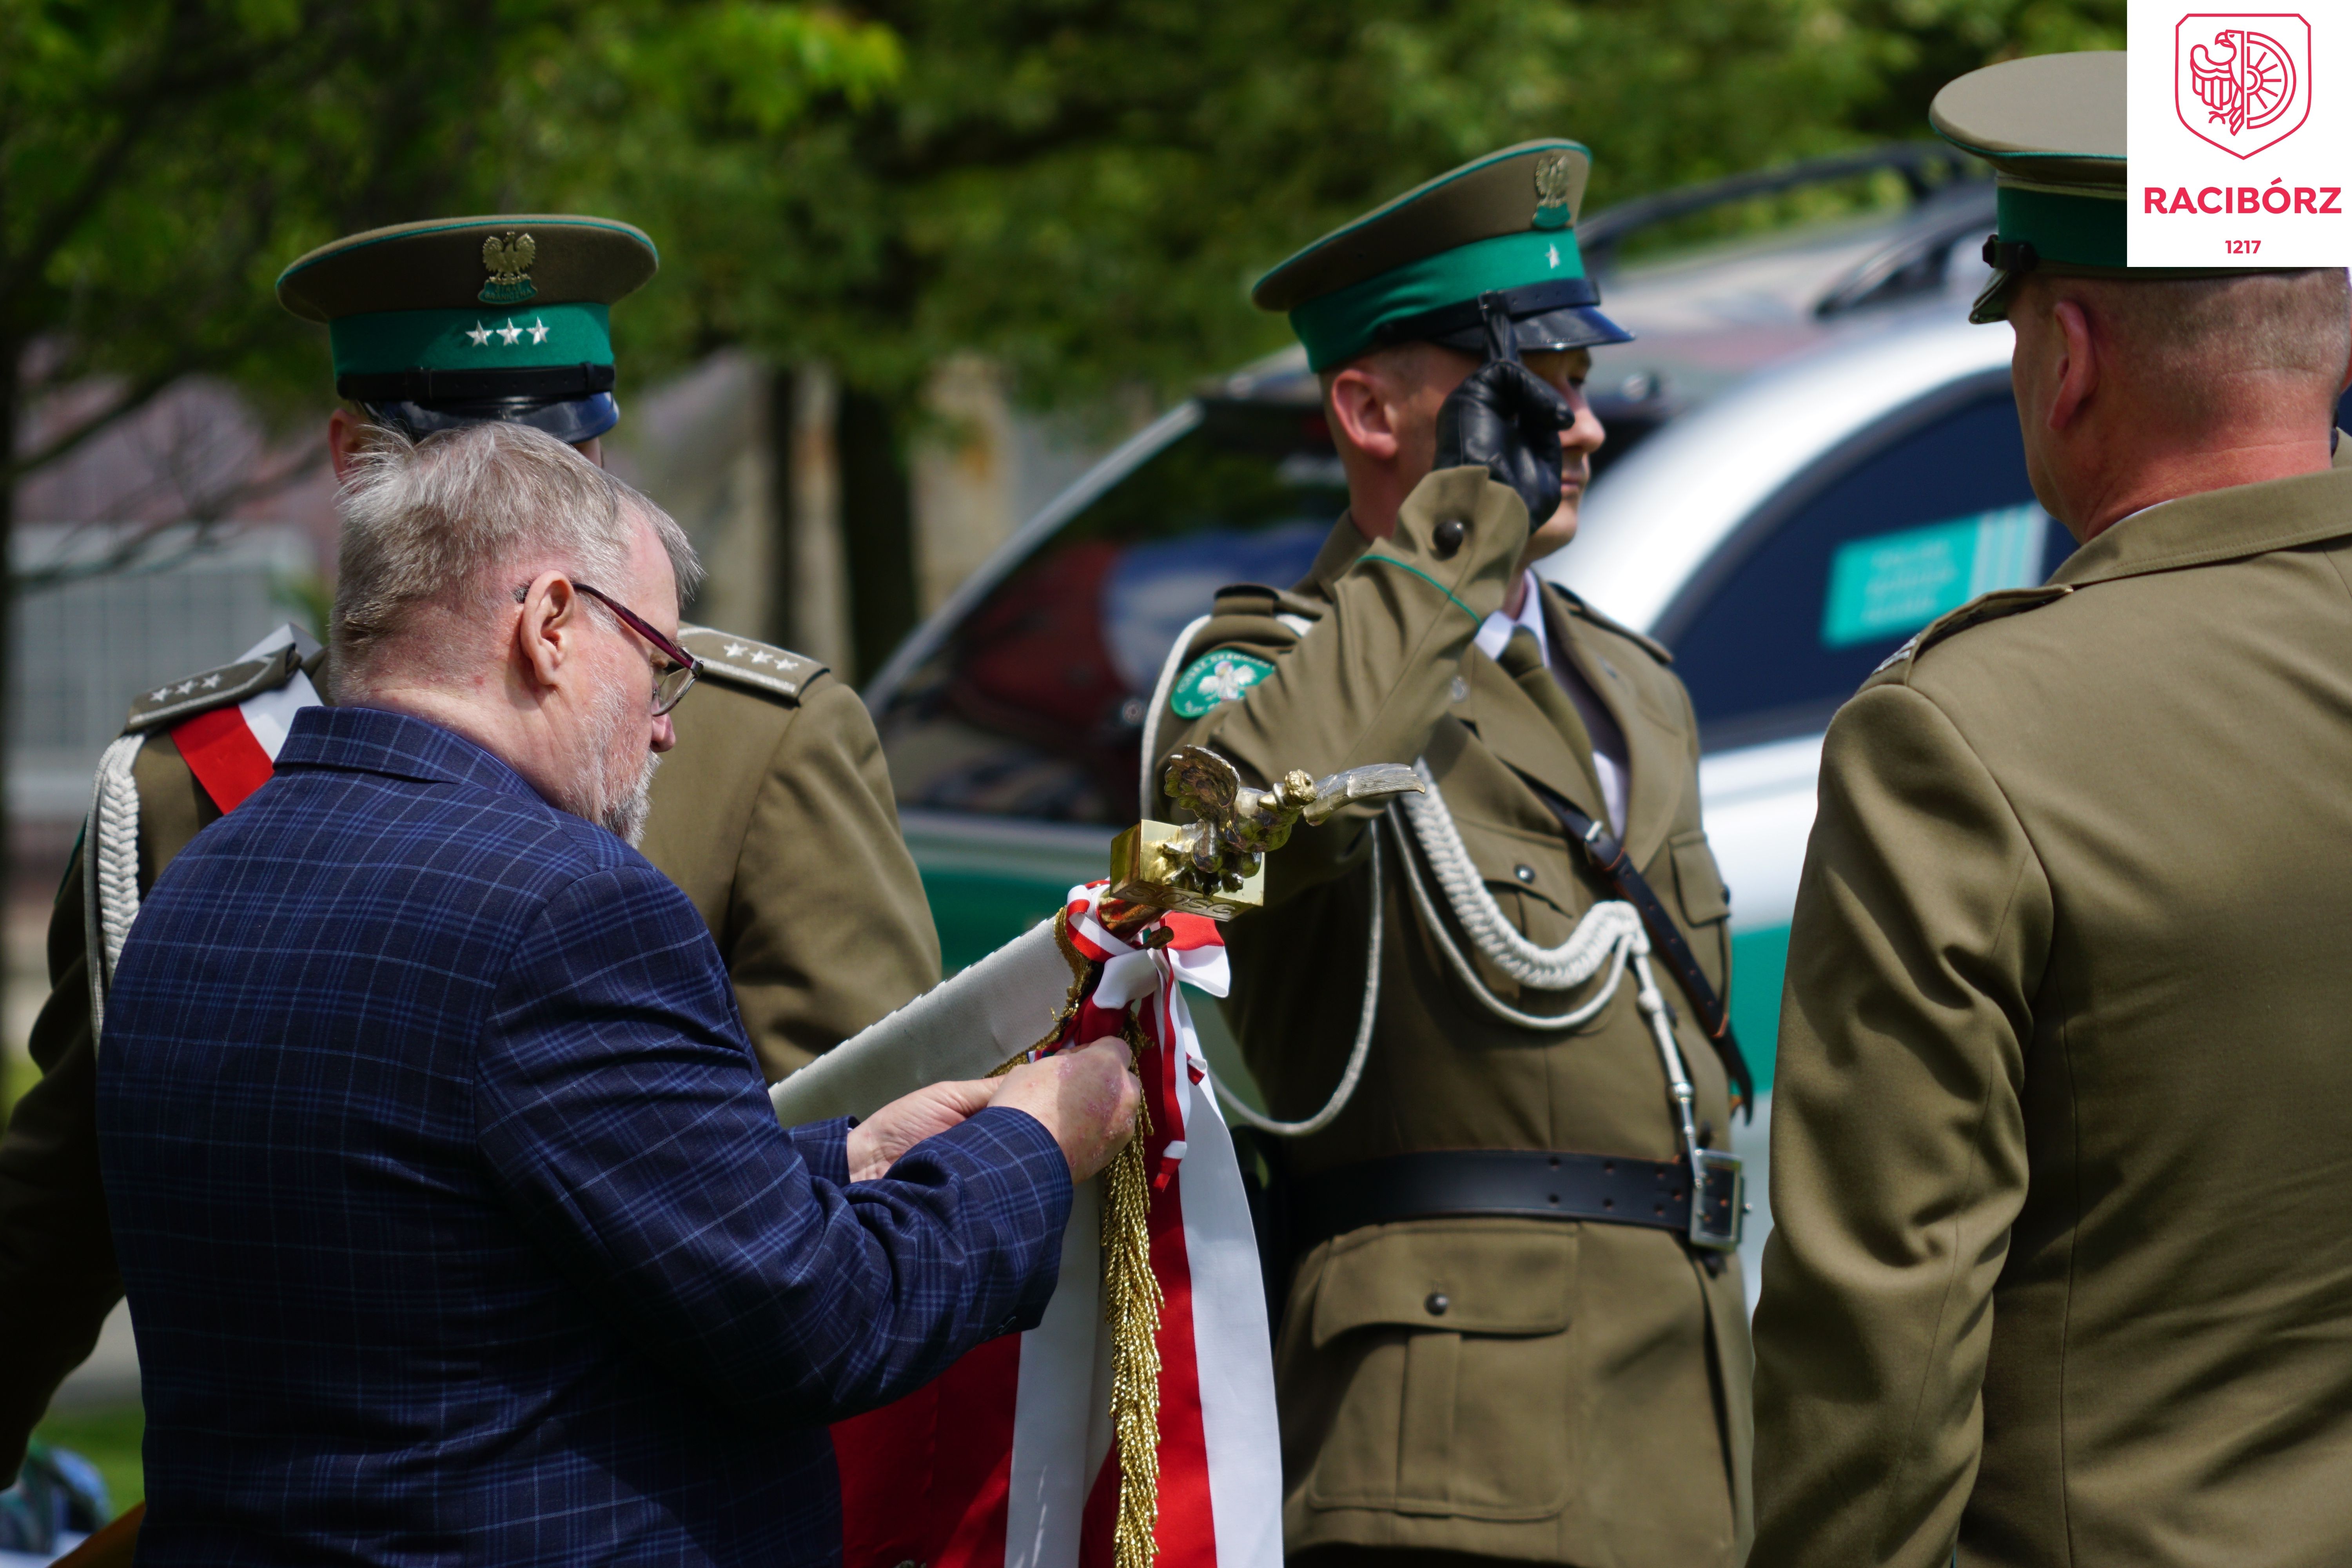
column 458, row 321
column 1415, row 268
column 2051, row 126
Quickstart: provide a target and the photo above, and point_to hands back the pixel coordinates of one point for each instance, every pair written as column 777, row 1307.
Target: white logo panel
column 2240, row 136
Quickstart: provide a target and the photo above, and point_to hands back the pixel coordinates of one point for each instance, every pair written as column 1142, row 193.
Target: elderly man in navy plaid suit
column 456, row 1224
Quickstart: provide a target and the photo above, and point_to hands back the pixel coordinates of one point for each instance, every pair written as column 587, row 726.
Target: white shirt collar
column 1499, row 626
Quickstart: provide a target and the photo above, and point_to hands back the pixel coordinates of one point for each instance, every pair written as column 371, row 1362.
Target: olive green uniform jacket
column 1584, row 1397
column 774, row 814
column 2059, row 1146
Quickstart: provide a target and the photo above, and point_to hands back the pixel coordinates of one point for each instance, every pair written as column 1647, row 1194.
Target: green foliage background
column 1081, row 188
column 1084, row 189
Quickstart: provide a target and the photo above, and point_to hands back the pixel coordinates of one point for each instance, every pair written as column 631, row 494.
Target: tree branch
column 140, row 392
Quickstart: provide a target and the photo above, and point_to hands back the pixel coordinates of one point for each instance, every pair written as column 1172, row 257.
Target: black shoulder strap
column 1616, row 869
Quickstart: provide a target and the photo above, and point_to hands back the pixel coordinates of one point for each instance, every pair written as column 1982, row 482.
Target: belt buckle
column 1718, row 1210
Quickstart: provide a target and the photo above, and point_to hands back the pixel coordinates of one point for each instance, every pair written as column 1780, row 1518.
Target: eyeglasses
column 670, row 684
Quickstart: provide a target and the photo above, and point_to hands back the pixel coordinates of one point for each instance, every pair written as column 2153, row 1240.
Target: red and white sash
column 1007, row 1461
column 232, row 750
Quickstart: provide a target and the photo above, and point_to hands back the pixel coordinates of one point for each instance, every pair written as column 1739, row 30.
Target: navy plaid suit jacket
column 456, row 1225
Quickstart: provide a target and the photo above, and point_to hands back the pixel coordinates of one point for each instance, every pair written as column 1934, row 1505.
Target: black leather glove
column 1508, row 420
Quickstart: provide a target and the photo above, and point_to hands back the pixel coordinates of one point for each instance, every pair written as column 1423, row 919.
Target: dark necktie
column 1523, row 662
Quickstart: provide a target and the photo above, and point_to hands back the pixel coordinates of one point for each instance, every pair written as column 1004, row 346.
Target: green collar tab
column 1338, row 326
column 524, row 337
column 2070, row 230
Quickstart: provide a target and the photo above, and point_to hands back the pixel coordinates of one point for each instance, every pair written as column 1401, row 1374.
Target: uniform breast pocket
column 1698, row 881
column 1431, row 1371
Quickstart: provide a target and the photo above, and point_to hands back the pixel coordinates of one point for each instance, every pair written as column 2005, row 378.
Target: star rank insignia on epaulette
column 725, row 656
column 177, row 699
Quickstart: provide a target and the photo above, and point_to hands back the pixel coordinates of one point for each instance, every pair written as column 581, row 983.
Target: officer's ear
column 348, row 431
column 1364, row 409
column 2075, row 375
column 547, row 633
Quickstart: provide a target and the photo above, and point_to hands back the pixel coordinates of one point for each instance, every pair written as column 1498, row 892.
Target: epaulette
column 739, row 660
column 1993, row 607
column 177, row 699
column 1650, row 646
column 1238, row 605
column 1257, row 599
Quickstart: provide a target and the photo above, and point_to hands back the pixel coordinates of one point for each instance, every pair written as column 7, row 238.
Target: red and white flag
column 1007, row 1461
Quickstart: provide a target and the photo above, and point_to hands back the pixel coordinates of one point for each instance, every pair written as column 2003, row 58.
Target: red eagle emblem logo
column 2243, row 82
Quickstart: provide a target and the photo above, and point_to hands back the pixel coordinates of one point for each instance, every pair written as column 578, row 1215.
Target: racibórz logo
column 2243, row 83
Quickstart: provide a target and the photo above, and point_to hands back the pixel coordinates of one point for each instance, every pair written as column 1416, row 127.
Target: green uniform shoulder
column 176, row 700
column 1586, row 613
column 1895, row 669
column 755, row 665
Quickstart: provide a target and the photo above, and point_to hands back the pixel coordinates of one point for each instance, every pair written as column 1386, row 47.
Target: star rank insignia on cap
column 508, row 262
column 413, row 342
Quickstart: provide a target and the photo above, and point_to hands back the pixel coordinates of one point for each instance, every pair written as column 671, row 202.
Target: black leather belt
column 1525, row 1184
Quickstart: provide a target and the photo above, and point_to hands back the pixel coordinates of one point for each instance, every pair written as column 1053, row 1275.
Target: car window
column 1816, row 591
column 1033, row 707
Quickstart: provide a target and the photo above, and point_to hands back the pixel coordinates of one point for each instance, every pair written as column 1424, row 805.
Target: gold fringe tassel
column 1131, row 1303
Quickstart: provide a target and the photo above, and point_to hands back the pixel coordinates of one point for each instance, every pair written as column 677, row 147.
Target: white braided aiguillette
column 111, row 851
column 1607, row 934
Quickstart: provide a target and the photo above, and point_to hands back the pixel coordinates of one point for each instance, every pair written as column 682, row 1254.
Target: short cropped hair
column 2192, row 334
column 458, row 520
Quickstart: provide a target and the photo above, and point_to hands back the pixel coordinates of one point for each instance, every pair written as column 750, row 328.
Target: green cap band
column 486, row 338
column 2085, row 230
column 1341, row 325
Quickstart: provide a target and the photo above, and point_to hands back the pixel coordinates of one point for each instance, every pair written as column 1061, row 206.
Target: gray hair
column 456, row 520
column 2195, row 335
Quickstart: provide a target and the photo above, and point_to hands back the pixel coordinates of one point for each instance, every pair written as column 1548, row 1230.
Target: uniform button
column 1437, row 1303
column 1459, row 691
column 1446, row 538
column 1524, row 873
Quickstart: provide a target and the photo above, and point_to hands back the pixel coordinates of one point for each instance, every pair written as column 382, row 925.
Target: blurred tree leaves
column 162, row 161
column 1081, row 188
column 1084, row 189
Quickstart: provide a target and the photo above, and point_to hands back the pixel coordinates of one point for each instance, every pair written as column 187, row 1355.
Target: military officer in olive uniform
column 773, row 812
column 2061, row 1272
column 1506, row 1335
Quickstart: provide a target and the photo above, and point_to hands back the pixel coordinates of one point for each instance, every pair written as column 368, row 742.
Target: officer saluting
column 773, row 812
column 2060, row 1271
column 1511, row 1332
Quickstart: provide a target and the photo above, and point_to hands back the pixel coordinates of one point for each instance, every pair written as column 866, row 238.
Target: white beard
column 626, row 817
column 610, row 798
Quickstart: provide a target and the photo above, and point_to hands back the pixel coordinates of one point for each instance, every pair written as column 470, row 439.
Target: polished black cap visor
column 1546, row 317
column 567, row 419
column 1575, row 327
